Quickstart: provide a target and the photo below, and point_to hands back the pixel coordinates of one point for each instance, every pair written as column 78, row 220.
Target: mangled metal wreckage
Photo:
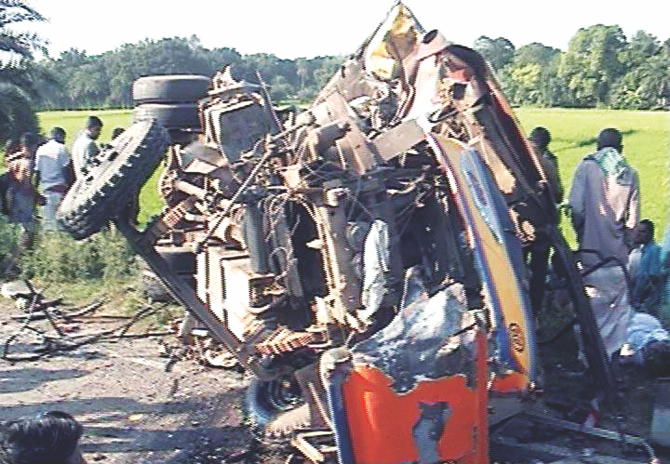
column 364, row 257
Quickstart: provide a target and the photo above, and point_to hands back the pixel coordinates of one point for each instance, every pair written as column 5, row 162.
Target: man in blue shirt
column 644, row 265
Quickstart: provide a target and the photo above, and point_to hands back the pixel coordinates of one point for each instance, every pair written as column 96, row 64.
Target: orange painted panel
column 381, row 421
column 509, row 383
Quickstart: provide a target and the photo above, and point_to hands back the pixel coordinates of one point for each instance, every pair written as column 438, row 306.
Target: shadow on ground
column 14, row 380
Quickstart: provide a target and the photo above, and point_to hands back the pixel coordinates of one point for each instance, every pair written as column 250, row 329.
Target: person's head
column 29, row 144
column 540, row 137
column 12, row 146
column 610, row 138
column 49, row 438
column 117, row 131
column 644, row 232
column 94, row 126
column 58, row 134
column 657, row 358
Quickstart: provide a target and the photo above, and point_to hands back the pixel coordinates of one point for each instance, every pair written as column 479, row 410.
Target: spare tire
column 174, row 88
column 112, row 179
column 171, row 116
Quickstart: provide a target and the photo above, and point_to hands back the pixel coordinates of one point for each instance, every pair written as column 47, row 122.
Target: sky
column 304, row 28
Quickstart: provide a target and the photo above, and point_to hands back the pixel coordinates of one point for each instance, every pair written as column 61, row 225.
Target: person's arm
column 560, row 194
column 92, row 150
column 632, row 218
column 76, row 158
column 69, row 174
column 655, row 267
column 576, row 198
column 36, row 177
column 67, row 167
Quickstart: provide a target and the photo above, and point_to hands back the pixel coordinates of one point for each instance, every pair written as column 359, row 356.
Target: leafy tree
column 280, row 89
column 24, row 44
column 16, row 69
column 642, row 86
column 640, row 48
column 535, row 53
column 498, row 52
column 592, row 64
column 16, row 115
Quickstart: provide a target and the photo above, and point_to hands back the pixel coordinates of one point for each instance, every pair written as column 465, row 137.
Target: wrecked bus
column 363, row 257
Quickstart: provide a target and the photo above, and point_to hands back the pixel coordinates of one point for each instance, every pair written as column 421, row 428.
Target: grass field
column 646, row 140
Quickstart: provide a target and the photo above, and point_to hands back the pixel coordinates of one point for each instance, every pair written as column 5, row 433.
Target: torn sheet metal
column 417, row 390
column 498, row 259
column 424, row 341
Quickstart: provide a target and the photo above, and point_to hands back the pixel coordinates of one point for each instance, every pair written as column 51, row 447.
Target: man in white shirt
column 605, row 204
column 53, row 168
column 84, row 148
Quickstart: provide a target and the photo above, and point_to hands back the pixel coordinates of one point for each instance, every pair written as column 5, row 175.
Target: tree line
column 600, row 68
column 105, row 80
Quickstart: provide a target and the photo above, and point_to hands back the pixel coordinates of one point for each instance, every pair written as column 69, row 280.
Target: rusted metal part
column 185, row 294
column 355, row 150
column 169, row 219
column 284, row 340
column 337, row 255
column 313, row 391
column 617, row 447
column 316, row 453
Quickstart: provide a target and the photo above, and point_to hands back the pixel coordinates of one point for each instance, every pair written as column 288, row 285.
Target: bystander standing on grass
column 21, row 196
column 55, row 174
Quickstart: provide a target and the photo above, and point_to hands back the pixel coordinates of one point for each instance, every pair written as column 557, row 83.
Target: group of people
column 622, row 266
column 40, row 172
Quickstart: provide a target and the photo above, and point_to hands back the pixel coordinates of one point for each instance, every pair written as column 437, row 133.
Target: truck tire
column 267, row 400
column 171, row 116
column 175, row 88
column 113, row 179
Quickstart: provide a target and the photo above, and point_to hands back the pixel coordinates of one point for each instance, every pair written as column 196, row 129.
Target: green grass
column 646, row 140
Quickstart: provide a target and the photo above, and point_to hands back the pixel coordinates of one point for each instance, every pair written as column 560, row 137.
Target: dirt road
column 133, row 410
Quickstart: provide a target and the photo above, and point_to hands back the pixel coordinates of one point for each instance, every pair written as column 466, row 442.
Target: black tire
column 267, row 399
column 113, row 179
column 175, row 88
column 171, row 116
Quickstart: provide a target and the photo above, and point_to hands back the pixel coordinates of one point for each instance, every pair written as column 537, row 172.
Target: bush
column 9, row 241
column 16, row 113
column 59, row 258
